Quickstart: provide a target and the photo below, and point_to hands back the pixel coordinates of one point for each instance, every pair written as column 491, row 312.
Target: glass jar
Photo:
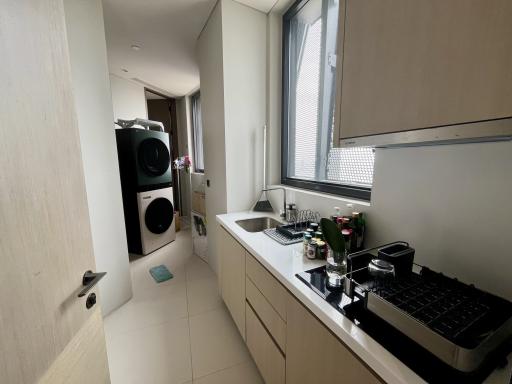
column 336, row 268
column 305, row 242
column 311, row 253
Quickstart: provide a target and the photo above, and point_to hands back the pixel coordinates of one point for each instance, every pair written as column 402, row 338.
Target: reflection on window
column 197, row 129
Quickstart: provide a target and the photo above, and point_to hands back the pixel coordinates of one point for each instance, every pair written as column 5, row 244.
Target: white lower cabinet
column 315, row 355
column 232, row 278
column 288, row 344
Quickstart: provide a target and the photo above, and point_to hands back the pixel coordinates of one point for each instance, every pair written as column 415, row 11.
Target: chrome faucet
column 283, row 214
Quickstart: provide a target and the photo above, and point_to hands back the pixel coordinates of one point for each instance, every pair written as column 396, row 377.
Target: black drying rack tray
column 293, row 231
column 459, row 312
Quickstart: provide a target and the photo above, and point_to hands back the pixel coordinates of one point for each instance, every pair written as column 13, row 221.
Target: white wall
column 210, row 59
column 86, row 39
column 244, row 47
column 451, row 202
column 128, row 99
column 232, row 66
column 274, row 86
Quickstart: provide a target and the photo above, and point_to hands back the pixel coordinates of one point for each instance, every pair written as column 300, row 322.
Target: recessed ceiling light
column 136, row 47
column 124, row 70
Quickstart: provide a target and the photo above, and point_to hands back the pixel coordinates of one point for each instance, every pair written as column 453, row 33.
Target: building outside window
column 309, row 89
column 197, row 131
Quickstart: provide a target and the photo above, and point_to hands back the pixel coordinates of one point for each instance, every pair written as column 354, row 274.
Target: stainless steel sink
column 258, row 224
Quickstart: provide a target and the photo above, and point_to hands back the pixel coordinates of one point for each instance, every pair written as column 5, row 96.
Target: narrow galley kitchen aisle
column 178, row 331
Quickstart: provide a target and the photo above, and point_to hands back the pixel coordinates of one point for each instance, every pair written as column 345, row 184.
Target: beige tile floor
column 178, row 331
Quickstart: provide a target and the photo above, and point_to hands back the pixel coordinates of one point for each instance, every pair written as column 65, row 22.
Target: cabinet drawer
column 265, row 353
column 273, row 291
column 267, row 314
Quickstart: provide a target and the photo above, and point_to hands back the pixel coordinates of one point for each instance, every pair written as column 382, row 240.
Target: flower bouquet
column 182, row 162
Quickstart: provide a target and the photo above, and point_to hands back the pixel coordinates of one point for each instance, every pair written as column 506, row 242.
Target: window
column 309, row 88
column 197, row 130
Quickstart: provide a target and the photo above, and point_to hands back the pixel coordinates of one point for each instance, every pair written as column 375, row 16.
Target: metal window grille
column 309, row 93
column 197, row 125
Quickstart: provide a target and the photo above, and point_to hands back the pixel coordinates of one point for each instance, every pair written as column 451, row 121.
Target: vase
column 336, row 268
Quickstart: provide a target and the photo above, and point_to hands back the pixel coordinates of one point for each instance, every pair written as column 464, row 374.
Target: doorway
column 163, row 108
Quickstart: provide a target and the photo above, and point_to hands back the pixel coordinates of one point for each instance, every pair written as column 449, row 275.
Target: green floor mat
column 161, row 273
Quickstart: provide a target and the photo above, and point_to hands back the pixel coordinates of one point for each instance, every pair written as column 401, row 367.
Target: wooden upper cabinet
column 406, row 65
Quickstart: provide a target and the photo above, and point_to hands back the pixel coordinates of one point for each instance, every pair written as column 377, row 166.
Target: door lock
column 91, row 300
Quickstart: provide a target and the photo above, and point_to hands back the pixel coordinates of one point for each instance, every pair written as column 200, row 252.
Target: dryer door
column 154, row 157
column 159, row 215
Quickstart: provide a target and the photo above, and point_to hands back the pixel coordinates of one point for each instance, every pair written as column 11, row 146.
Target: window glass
column 197, row 126
column 309, row 91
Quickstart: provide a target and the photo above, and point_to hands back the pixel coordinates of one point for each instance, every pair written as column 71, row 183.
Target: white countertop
column 285, row 261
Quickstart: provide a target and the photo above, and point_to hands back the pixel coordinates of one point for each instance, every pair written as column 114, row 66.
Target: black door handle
column 89, row 280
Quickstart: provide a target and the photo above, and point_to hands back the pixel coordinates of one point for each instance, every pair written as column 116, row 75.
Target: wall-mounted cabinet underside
column 423, row 71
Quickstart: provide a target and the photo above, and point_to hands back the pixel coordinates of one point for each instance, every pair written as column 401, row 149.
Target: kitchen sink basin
column 258, row 224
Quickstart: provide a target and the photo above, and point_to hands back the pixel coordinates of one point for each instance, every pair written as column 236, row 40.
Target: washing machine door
column 154, row 157
column 159, row 215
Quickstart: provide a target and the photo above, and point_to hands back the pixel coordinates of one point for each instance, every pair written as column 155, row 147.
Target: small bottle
column 347, row 236
column 337, row 214
column 339, row 221
column 357, row 226
column 314, row 226
column 291, row 213
column 321, row 250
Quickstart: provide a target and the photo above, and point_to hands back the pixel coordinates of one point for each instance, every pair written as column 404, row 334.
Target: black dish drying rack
column 293, row 232
column 457, row 322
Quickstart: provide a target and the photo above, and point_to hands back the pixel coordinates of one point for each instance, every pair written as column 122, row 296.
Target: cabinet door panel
column 232, row 278
column 314, row 355
column 265, row 353
column 417, row 64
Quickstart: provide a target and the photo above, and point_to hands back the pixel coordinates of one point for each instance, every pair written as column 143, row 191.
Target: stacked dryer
column 146, row 181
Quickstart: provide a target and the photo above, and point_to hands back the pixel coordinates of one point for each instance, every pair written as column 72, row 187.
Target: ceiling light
column 136, row 47
column 124, row 70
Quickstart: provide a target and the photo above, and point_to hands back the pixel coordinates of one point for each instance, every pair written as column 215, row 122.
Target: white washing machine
column 156, row 219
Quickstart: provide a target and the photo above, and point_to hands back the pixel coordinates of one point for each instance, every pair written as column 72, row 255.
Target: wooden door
column 418, row 64
column 46, row 333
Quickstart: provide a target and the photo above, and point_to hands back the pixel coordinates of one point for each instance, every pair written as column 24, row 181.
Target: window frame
column 344, row 190
column 194, row 96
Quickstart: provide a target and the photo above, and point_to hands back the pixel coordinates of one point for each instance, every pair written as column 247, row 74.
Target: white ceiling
column 261, row 5
column 166, row 31
column 153, row 96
